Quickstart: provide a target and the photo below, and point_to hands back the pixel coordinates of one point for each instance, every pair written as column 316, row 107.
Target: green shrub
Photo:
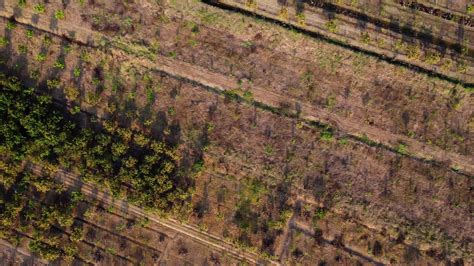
column 23, row 49
column 59, row 14
column 59, row 64
column 21, row 3
column 11, row 25
column 327, row 135
column 402, row 149
column 29, row 33
column 331, row 26
column 46, row 251
column 53, row 84
column 470, row 8
column 77, row 234
column 77, row 72
column 41, row 57
column 3, row 41
column 433, row 58
column 39, row 8
column 319, row 214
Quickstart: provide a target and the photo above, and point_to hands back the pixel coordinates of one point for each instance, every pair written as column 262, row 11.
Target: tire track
column 316, row 29
column 186, row 230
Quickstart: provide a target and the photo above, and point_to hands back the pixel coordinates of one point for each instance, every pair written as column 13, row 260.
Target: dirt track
column 349, row 32
column 11, row 255
column 219, row 83
column 207, row 239
column 215, row 81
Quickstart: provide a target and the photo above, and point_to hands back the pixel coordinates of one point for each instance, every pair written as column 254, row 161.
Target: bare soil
column 270, row 182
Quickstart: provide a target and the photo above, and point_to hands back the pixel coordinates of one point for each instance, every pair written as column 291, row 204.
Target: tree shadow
column 299, row 6
column 53, row 23
column 35, row 19
column 17, row 11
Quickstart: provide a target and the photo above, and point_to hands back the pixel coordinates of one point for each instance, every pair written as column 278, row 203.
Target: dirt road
column 214, row 242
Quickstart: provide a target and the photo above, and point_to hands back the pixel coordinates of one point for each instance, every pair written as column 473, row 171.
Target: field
column 236, row 132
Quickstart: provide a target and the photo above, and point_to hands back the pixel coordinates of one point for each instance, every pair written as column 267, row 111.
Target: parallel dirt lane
column 215, row 81
column 214, row 242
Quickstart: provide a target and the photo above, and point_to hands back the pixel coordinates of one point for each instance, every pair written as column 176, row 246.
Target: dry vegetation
column 200, row 115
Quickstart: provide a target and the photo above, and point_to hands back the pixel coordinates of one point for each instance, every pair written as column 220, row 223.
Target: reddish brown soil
column 378, row 205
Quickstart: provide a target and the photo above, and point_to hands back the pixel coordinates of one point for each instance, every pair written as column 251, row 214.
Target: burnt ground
column 271, row 181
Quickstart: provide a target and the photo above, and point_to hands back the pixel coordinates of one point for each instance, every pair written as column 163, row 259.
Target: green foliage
column 268, row 149
column 34, row 128
column 172, row 54
column 39, row 8
column 319, row 214
column 59, row 14
column 365, row 139
column 3, row 41
column 59, row 64
column 470, row 8
column 331, row 26
column 365, row 38
column 41, row 57
column 11, row 25
column 402, row 149
column 47, row 41
column 248, row 96
column 77, row 72
column 413, row 52
column 71, row 93
column 75, row 110
column 21, row 3
column 111, row 251
column 433, row 58
column 29, row 33
column 19, row 214
column 171, row 111
column 69, row 252
column 23, row 49
column 76, row 196
column 53, row 84
column 77, row 234
column 150, row 94
column 327, row 135
column 46, row 251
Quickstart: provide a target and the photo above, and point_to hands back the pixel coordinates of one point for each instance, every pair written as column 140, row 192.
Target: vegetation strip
column 356, row 48
column 310, row 120
column 166, row 69
column 106, row 43
column 123, row 46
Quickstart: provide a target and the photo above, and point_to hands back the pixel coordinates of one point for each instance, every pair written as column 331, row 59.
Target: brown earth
column 273, row 180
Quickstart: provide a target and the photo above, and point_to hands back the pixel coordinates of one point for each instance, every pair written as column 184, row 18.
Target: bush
column 46, row 251
column 3, row 41
column 39, row 8
column 331, row 26
column 59, row 14
column 77, row 234
column 41, row 57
